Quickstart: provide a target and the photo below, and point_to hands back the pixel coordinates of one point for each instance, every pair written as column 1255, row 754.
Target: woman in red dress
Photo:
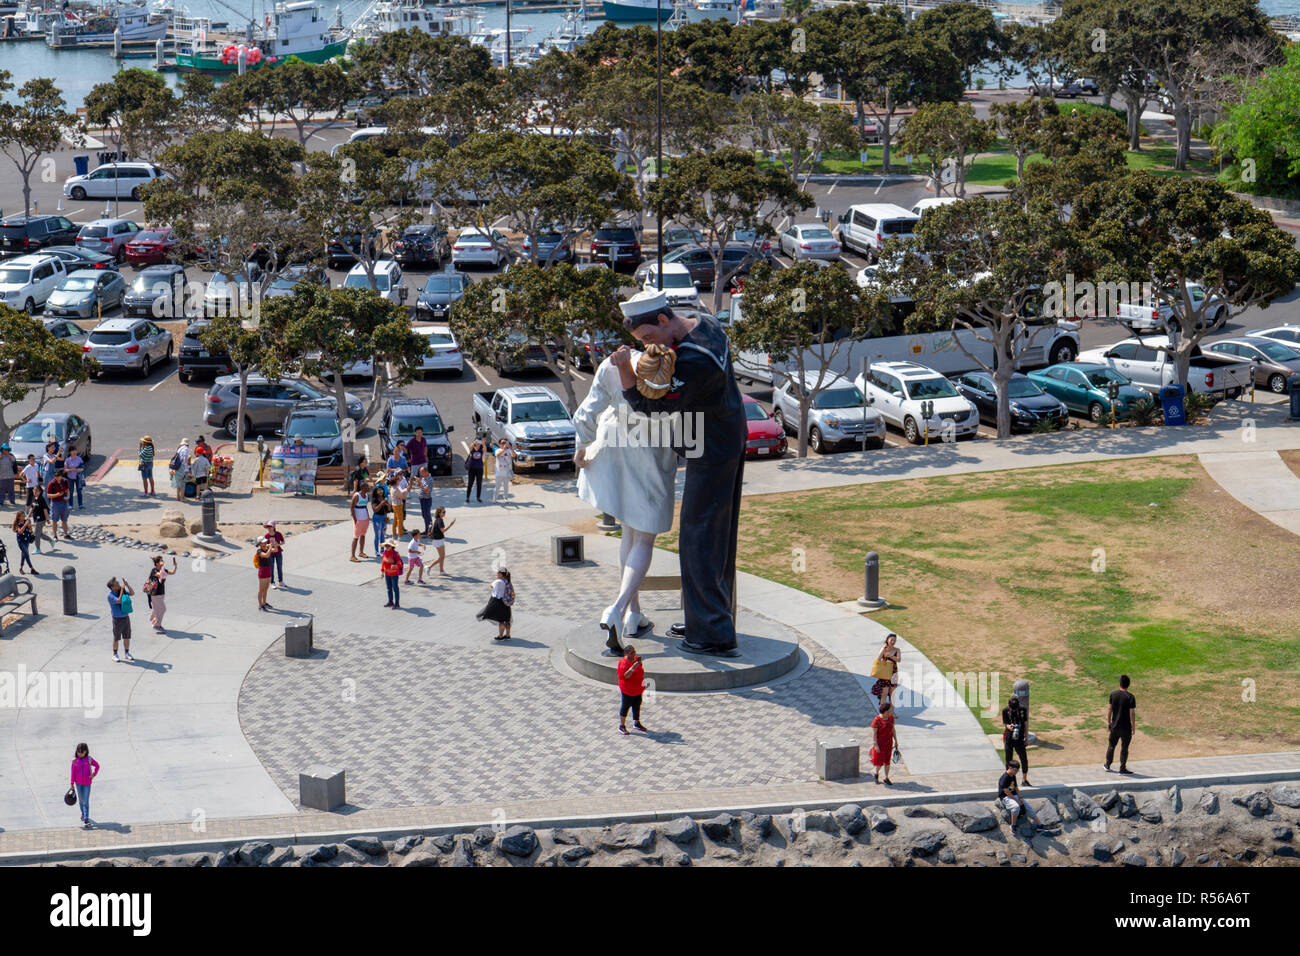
column 882, row 751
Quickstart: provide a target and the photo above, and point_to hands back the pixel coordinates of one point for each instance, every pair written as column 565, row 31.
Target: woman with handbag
column 1015, row 734
column 155, row 591
column 84, row 770
column 885, row 748
column 25, row 534
column 885, row 670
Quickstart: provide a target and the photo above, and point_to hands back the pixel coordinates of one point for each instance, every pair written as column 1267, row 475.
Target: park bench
column 14, row 593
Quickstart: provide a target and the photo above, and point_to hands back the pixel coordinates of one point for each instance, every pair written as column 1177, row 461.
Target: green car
column 1084, row 388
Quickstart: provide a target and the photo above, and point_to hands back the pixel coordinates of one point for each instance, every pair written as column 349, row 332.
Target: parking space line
column 481, row 377
column 164, row 378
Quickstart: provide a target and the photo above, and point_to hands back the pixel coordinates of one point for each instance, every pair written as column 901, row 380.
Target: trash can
column 1294, row 387
column 82, row 164
column 1171, row 403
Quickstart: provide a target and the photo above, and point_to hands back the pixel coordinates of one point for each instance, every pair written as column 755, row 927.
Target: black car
column 620, row 245
column 403, row 416
column 317, row 424
column 158, row 292
column 737, row 259
column 1029, row 403
column 342, row 250
column 74, row 258
column 422, row 245
column 195, row 358
column 1069, row 91
column 439, row 292
column 677, row 236
column 20, row 235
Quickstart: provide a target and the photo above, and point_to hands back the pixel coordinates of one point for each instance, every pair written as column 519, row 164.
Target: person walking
column 1121, row 720
column 31, row 478
column 413, row 559
column 424, row 490
column 886, row 741
column 391, row 566
column 145, row 456
column 24, row 532
column 1011, row 800
column 276, row 540
column 60, row 495
column 380, row 509
column 505, row 470
column 75, row 466
column 155, row 591
column 360, row 509
column 84, row 770
column 439, row 537
column 885, row 670
column 499, row 604
column 39, row 512
column 399, row 488
column 631, row 684
column 1015, row 735
column 119, row 608
column 8, row 475
column 474, row 469
column 262, row 561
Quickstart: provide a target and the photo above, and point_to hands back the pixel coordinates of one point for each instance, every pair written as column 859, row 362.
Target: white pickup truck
column 534, row 419
column 1158, row 315
column 1149, row 362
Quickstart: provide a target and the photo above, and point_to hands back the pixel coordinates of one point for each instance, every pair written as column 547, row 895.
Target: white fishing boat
column 389, row 16
column 717, row 6
column 293, row 30
column 520, row 49
column 571, row 32
column 131, row 24
column 751, row 10
column 31, row 21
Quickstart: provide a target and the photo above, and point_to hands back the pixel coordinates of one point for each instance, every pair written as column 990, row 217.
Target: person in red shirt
column 391, row 565
column 631, row 683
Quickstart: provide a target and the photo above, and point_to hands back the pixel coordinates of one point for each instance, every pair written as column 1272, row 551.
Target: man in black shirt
column 1009, row 796
column 1121, row 720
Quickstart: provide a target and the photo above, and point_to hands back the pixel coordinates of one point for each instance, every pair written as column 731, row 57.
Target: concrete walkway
column 1261, row 481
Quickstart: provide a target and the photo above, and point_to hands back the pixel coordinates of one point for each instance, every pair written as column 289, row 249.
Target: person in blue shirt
column 118, row 591
column 397, row 461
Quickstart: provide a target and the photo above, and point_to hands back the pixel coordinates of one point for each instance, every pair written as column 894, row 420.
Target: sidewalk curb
column 644, row 816
column 107, row 466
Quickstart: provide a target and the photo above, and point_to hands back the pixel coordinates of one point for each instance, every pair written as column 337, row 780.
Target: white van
column 932, row 202
column 868, row 227
column 389, row 281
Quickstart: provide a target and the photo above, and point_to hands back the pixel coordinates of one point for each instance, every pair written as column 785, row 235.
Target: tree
column 1095, row 44
column 711, row 58
column 720, row 192
column 415, row 63
column 1096, row 134
column 1166, row 232
column 1020, row 123
column 946, row 133
column 1260, row 134
column 793, row 130
column 301, row 91
column 802, row 317
column 137, row 109
column 968, row 32
column 557, row 308
column 32, row 128
column 1040, row 51
column 326, row 330
column 248, row 345
column 978, row 266
column 34, row 361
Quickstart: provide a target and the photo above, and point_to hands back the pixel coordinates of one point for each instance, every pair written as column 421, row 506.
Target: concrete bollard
column 209, row 514
column 607, row 522
column 838, row 758
column 871, row 599
column 69, row 591
column 299, row 637
column 321, row 788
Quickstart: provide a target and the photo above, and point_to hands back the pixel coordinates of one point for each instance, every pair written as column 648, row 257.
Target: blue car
column 1085, row 388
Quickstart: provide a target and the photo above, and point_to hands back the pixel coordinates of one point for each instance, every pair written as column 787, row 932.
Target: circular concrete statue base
column 767, row 651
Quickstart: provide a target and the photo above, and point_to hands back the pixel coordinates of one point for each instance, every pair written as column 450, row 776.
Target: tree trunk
column 341, row 409
column 1133, row 117
column 27, row 194
column 1183, row 128
column 804, row 403
column 1003, row 369
column 241, row 410
column 1021, row 156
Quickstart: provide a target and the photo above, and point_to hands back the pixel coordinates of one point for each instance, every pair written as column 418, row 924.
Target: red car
column 766, row 439
column 151, row 247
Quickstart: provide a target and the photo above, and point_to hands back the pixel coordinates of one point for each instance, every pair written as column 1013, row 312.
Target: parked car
column 267, row 402
column 28, row 281
column 549, row 242
column 762, row 245
column 897, row 390
column 135, row 344
column 20, row 235
column 158, row 291
column 1069, row 91
column 809, row 241
column 229, row 294
column 870, row 227
column 400, row 420
column 444, row 351
column 108, row 236
column 422, row 245
column 74, row 258
column 534, row 419
column 1029, row 404
column 291, row 275
column 342, row 250
column 152, row 246
column 619, row 245
column 388, row 280
column 441, row 291
column 1273, row 362
column 592, row 348
column 1286, row 334
column 71, row 431
column 838, row 415
column 737, row 259
column 677, row 236
column 1158, row 316
column 764, row 438
column 195, row 357
column 473, row 246
column 1149, row 362
column 678, row 286
column 520, row 354
column 87, row 294
column 932, row 202
column 65, row 330
column 1084, row 388
column 112, row 181
column 317, row 424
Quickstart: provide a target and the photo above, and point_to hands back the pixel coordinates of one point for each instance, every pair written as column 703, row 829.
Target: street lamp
column 659, row 141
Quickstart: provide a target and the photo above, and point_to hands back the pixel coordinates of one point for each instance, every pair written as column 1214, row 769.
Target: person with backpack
column 145, row 456
column 262, row 561
column 391, row 566
column 155, row 591
column 277, row 554
column 180, row 469
column 499, row 605
column 119, row 609
column 22, row 528
column 84, row 770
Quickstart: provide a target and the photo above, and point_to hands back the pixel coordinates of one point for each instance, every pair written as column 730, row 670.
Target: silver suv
column 838, row 414
column 135, row 344
column 266, row 405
